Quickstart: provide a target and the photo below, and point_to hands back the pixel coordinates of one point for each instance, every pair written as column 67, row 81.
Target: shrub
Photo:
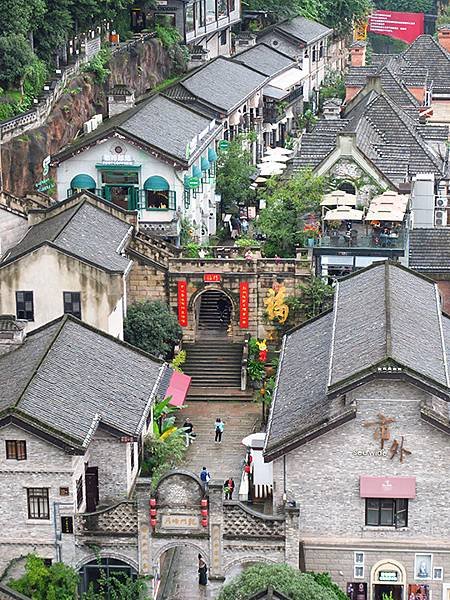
column 294, row 584
column 97, row 65
column 153, row 327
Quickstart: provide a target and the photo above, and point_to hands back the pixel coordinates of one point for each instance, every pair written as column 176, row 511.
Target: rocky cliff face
column 140, row 67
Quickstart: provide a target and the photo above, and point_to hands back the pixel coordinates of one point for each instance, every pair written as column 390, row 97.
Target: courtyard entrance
column 213, row 311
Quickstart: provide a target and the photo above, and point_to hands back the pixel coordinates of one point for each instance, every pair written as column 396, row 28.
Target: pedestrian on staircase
column 219, row 427
column 205, row 478
column 228, row 487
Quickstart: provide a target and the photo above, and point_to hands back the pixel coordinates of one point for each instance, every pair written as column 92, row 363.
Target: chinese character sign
column 182, row 304
column 243, row 304
column 381, row 428
column 212, row 277
column 360, row 30
column 399, row 25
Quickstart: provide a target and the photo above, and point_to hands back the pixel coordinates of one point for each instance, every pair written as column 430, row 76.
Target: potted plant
column 311, row 233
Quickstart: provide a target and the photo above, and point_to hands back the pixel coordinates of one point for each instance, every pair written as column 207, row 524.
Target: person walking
column 229, row 488
column 219, row 427
column 205, row 478
column 202, row 571
column 188, row 427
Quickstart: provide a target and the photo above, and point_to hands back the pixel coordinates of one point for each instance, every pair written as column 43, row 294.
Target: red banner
column 243, row 305
column 212, row 277
column 399, row 25
column 182, row 304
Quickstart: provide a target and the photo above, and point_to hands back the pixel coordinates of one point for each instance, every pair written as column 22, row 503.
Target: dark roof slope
column 426, row 53
column 224, row 83
column 158, row 122
column 386, row 321
column 73, row 377
column 84, row 231
column 265, row 60
column 429, row 250
column 304, row 29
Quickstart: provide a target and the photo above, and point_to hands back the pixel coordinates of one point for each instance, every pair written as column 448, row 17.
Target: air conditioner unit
column 441, row 202
column 440, row 218
column 87, row 127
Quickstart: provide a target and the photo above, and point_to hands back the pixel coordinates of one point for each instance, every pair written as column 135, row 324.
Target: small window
column 16, row 450
column 79, row 492
column 66, row 524
column 25, row 306
column 132, row 455
column 72, row 304
column 358, row 572
column 64, row 491
column 38, row 506
column 359, row 558
column 321, row 50
column 387, row 512
column 314, row 54
column 47, row 562
column 223, row 37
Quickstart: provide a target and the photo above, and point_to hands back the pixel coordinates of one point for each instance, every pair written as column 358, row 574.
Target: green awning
column 156, row 184
column 212, row 155
column 83, row 182
column 197, row 172
column 205, row 164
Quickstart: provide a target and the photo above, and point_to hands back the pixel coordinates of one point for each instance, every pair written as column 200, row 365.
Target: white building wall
column 48, row 273
column 12, row 228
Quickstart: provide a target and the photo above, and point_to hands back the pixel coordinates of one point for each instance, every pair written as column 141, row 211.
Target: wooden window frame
column 396, row 510
column 80, row 491
column 16, row 449
column 22, row 313
column 68, row 304
column 37, row 495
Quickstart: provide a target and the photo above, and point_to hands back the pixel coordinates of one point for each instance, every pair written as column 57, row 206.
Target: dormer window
column 16, row 449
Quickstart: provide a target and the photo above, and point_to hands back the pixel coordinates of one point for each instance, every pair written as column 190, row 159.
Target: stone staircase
column 210, row 324
column 213, row 364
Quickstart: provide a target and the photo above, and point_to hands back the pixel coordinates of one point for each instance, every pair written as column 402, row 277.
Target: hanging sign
column 182, row 304
column 212, row 277
column 224, row 145
column 243, row 305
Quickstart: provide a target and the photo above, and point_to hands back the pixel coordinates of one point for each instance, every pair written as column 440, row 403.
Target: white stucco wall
column 48, row 273
column 12, row 228
column 103, row 152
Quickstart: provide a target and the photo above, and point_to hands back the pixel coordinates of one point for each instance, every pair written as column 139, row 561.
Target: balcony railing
column 379, row 242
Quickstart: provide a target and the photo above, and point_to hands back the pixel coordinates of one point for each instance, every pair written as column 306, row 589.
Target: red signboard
column 212, row 277
column 399, row 25
column 182, row 304
column 243, row 305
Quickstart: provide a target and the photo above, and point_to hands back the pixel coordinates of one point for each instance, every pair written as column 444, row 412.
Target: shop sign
column 224, row 145
column 182, row 304
column 212, row 277
column 390, row 576
column 193, row 183
column 180, row 522
column 126, row 439
column 357, row 590
column 45, row 184
column 243, row 304
column 382, row 434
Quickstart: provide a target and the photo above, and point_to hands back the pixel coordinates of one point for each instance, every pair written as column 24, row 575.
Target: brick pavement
column 222, row 460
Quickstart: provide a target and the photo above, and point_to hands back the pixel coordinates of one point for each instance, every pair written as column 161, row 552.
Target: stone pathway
column 222, row 461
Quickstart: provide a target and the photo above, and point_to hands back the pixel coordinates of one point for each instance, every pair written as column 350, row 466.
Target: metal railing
column 378, row 241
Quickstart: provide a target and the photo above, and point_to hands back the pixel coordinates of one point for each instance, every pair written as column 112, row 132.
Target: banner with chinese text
column 399, row 25
column 243, row 305
column 182, row 304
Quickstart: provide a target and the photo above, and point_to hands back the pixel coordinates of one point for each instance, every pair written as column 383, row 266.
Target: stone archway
column 105, row 563
column 213, row 312
column 397, row 580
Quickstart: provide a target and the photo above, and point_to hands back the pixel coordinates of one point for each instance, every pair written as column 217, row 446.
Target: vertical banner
column 182, row 304
column 243, row 305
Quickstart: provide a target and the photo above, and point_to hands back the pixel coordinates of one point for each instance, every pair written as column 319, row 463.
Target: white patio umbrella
column 338, row 198
column 270, row 168
column 344, row 213
column 279, row 150
column 281, row 158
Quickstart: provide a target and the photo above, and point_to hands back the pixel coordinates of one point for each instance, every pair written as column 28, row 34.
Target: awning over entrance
column 387, row 487
column 178, row 388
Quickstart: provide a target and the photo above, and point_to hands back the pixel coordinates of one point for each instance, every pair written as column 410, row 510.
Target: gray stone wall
column 323, row 477
column 110, row 456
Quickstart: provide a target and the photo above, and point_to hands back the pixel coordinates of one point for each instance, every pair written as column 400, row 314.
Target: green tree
column 58, row 582
column 291, row 582
column 15, row 56
column 341, row 14
column 316, row 296
column 21, row 17
column 425, row 6
column 153, row 327
column 443, row 17
column 287, row 204
column 234, row 171
column 55, row 29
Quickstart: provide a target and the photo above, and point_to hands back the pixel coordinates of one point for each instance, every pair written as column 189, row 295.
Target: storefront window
column 125, row 177
column 387, row 512
column 210, row 11
column 221, row 8
column 190, row 19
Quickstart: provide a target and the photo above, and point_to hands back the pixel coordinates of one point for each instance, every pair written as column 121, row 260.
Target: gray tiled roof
column 390, row 137
column 429, row 250
column 304, row 29
column 382, row 315
column 426, row 53
column 67, row 375
column 83, row 230
column 265, row 60
column 158, row 122
column 224, row 83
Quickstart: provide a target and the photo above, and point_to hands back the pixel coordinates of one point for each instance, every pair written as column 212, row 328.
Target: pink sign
column 399, row 25
column 387, row 487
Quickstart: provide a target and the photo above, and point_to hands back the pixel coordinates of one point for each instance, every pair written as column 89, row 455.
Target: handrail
column 244, row 363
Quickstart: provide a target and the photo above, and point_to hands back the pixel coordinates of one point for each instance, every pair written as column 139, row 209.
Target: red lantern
column 204, row 512
column 247, row 468
column 153, row 522
column 153, row 502
column 204, row 502
column 262, row 356
column 205, row 522
column 153, row 512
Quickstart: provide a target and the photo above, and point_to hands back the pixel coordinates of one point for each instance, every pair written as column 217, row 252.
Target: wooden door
column 92, row 495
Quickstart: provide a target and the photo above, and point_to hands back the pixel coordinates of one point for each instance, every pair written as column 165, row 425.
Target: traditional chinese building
column 359, row 434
